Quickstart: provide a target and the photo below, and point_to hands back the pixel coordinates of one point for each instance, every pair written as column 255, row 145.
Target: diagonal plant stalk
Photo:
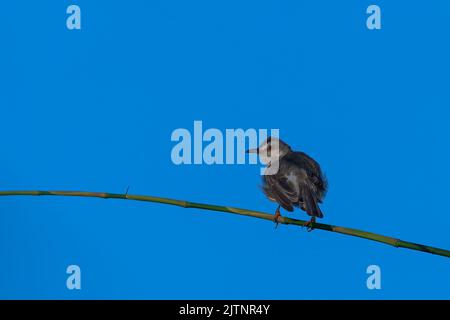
column 256, row 214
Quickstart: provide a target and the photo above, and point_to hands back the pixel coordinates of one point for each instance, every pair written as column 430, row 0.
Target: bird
column 292, row 179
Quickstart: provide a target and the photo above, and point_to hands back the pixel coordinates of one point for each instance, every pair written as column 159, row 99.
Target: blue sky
column 94, row 109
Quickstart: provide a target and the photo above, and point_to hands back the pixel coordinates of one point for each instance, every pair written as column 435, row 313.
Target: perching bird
column 296, row 180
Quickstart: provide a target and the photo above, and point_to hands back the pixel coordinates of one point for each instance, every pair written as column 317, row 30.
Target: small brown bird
column 298, row 180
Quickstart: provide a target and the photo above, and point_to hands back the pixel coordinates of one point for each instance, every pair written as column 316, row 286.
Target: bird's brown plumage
column 299, row 182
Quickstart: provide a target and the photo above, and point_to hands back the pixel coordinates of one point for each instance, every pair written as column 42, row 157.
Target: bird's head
column 272, row 149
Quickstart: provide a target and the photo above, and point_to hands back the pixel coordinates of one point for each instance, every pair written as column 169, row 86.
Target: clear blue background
column 94, row 110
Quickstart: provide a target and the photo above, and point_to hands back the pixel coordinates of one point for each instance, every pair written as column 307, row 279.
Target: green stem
column 256, row 214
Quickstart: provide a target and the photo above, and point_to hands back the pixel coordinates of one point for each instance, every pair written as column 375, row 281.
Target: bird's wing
column 310, row 201
column 310, row 165
column 313, row 171
column 278, row 188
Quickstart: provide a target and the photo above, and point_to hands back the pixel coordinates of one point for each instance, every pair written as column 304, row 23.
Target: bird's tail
column 311, row 205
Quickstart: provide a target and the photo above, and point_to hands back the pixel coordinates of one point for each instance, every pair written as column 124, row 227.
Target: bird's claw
column 310, row 224
column 276, row 219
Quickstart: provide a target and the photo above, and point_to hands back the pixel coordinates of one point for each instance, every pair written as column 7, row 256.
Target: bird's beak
column 256, row 150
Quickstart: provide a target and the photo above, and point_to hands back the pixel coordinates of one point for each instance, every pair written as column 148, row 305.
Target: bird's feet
column 310, row 224
column 277, row 217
